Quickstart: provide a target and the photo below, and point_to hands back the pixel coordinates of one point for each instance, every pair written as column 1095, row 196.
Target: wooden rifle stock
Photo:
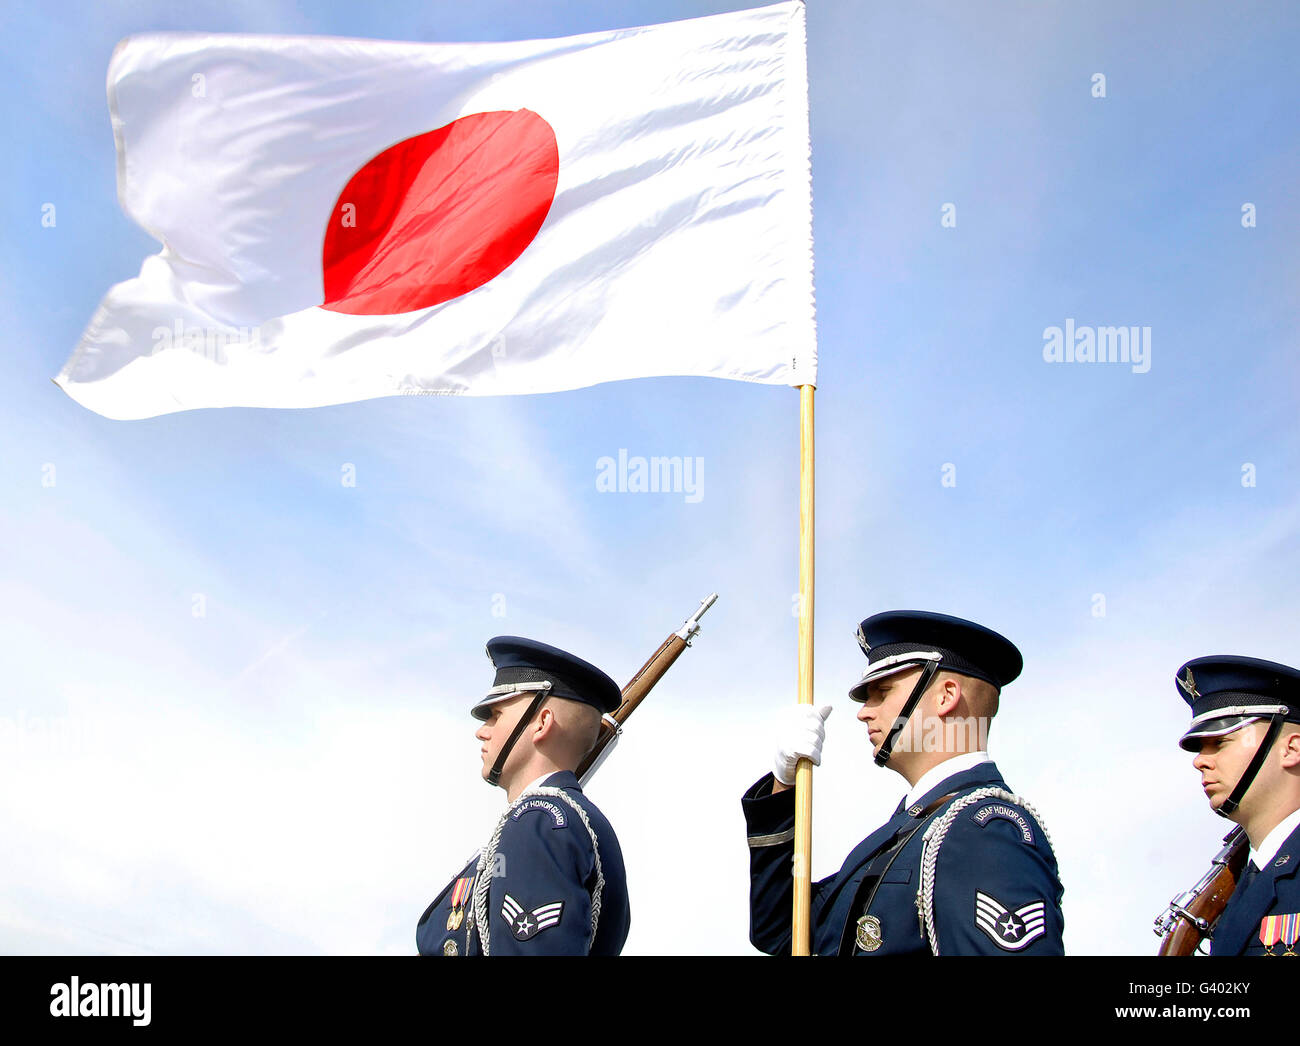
column 1193, row 914
column 640, row 685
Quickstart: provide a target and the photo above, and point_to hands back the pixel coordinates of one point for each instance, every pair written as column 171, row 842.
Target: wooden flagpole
column 800, row 926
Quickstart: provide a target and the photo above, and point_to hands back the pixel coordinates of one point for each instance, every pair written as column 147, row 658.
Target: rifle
column 1193, row 914
column 611, row 726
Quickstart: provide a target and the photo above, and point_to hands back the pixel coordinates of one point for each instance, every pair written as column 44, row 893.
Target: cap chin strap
column 886, row 749
column 1233, row 801
column 543, row 691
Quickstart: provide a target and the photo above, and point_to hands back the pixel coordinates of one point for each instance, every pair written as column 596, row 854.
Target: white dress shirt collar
column 541, row 781
column 1273, row 841
column 948, row 768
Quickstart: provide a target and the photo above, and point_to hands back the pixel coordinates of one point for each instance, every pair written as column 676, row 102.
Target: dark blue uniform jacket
column 542, row 885
column 1274, row 891
column 996, row 892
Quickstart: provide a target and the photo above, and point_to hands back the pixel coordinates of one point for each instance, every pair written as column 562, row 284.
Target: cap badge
column 1188, row 683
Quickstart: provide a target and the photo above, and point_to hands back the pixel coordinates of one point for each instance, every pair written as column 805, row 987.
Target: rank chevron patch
column 525, row 924
column 1010, row 930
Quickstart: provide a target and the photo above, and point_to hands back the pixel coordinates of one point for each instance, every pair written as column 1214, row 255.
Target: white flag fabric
column 344, row 219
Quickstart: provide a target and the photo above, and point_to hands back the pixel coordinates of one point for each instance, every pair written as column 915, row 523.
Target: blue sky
column 292, row 770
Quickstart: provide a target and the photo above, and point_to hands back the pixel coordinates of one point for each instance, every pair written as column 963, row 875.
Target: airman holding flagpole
column 964, row 866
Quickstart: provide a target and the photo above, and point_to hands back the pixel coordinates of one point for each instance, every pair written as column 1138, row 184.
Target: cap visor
column 483, row 710
column 1191, row 741
column 859, row 690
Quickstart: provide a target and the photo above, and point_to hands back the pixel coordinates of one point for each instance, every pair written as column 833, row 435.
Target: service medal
column 459, row 895
column 869, row 936
column 1270, row 932
column 1290, row 931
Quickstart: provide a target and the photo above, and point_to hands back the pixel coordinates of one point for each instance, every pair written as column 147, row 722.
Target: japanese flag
column 343, row 219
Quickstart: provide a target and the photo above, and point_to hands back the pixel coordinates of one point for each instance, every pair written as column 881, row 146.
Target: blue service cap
column 525, row 666
column 898, row 640
column 1225, row 692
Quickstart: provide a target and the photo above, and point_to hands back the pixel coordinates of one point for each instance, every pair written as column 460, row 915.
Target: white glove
column 803, row 733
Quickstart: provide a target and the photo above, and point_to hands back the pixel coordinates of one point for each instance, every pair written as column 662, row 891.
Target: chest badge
column 869, row 936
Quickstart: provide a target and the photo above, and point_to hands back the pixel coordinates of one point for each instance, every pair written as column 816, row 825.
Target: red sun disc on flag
column 439, row 214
